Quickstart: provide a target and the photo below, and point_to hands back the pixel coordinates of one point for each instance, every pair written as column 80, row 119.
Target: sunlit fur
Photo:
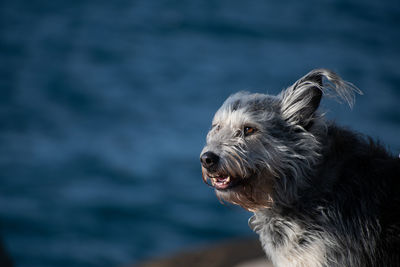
column 294, row 173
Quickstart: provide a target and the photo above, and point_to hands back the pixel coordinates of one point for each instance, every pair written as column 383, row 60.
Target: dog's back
column 359, row 181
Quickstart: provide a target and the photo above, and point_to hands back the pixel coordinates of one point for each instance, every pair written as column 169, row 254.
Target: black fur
column 354, row 195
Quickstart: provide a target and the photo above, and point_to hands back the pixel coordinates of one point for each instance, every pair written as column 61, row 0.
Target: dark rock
column 227, row 254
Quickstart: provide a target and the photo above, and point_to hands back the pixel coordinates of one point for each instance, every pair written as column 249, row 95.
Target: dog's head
column 258, row 141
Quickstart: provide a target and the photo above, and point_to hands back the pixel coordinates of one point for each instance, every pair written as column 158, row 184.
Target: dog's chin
column 251, row 193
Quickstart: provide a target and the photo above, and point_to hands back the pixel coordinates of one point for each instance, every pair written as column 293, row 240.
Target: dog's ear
column 300, row 101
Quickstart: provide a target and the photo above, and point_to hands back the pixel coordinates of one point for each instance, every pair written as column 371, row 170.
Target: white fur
column 289, row 251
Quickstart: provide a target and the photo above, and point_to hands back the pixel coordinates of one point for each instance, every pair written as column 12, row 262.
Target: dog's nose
column 209, row 159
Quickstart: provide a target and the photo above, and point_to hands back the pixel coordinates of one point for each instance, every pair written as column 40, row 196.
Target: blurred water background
column 104, row 108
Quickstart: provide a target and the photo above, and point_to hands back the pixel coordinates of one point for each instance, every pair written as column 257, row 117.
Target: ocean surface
column 105, row 105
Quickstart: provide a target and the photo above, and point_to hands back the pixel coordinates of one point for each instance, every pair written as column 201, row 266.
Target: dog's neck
column 288, row 243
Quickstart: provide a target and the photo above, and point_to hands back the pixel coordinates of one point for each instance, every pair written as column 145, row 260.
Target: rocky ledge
column 235, row 253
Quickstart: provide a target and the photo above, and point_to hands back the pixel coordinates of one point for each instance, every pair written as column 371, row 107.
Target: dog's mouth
column 222, row 181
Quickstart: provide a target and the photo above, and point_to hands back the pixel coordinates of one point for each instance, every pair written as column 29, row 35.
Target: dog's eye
column 248, row 130
column 216, row 127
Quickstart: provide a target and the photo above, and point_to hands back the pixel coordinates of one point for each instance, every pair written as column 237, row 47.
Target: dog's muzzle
column 219, row 180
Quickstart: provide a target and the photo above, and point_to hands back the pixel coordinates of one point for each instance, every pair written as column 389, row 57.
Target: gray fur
column 278, row 170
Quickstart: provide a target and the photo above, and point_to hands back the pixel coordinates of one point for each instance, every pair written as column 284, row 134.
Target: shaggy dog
column 321, row 194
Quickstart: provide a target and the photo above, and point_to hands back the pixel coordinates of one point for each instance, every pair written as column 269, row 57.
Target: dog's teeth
column 227, row 180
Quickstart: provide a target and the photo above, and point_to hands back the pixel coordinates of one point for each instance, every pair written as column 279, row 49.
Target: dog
column 322, row 195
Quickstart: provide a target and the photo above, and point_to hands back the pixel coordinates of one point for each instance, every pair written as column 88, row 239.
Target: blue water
column 104, row 108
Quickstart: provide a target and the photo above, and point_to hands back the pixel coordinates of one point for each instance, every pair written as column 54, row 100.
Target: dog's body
column 321, row 195
column 350, row 215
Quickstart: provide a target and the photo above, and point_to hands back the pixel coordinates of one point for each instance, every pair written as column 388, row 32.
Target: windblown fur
column 321, row 195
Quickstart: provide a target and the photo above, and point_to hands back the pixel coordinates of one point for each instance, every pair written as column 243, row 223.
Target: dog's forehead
column 243, row 106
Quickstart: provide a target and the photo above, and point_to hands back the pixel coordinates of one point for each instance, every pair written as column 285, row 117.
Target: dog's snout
column 209, row 159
